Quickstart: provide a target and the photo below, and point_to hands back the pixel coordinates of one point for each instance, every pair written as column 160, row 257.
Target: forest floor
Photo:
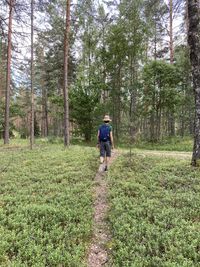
column 58, row 209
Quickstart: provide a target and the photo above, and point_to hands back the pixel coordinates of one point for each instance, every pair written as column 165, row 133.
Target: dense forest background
column 128, row 59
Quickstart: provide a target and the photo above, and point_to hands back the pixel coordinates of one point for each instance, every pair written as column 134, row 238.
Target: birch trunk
column 194, row 44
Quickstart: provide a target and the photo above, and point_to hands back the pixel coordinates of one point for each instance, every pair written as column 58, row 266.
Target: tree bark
column 8, row 74
column 155, row 41
column 2, row 68
column 171, row 44
column 133, row 100
column 65, row 87
column 171, row 119
column 194, row 44
column 32, row 84
column 44, row 123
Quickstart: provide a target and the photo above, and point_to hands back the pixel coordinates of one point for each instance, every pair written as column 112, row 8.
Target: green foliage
column 185, row 109
column 46, row 206
column 161, row 80
column 15, row 111
column 168, row 144
column 85, row 108
column 154, row 215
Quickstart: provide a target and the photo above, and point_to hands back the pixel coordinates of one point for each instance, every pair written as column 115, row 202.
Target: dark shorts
column 105, row 149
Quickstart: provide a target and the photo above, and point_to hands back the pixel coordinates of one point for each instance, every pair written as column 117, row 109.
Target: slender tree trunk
column 117, row 102
column 133, row 100
column 8, row 74
column 152, row 117
column 2, row 68
column 145, row 129
column 171, row 44
column 104, row 93
column 171, row 117
column 32, row 83
column 182, row 130
column 155, row 41
column 65, row 88
column 44, row 99
column 152, row 134
column 194, row 44
column 157, row 124
column 133, row 122
column 89, row 55
column 46, row 114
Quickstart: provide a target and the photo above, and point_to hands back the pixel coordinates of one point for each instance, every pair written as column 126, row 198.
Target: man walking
column 105, row 141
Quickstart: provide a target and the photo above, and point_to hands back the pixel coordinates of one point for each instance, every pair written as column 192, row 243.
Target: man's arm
column 98, row 138
column 111, row 139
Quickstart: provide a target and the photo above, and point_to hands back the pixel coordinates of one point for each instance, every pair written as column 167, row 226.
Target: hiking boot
column 106, row 169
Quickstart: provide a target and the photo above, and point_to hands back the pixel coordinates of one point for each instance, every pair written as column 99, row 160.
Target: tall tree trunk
column 133, row 100
column 104, row 93
column 32, row 84
column 65, row 88
column 117, row 102
column 2, row 68
column 194, row 44
column 171, row 44
column 133, row 109
column 182, row 130
column 155, row 41
column 44, row 123
column 171, row 118
column 8, row 74
column 46, row 114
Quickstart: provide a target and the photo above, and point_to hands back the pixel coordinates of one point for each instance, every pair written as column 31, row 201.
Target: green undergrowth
column 46, row 206
column 17, row 143
column 171, row 144
column 14, row 143
column 168, row 144
column 154, row 215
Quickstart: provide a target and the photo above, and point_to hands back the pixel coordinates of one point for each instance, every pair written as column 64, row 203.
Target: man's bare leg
column 107, row 159
column 101, row 160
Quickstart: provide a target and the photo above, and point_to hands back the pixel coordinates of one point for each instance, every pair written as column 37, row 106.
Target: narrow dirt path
column 98, row 253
